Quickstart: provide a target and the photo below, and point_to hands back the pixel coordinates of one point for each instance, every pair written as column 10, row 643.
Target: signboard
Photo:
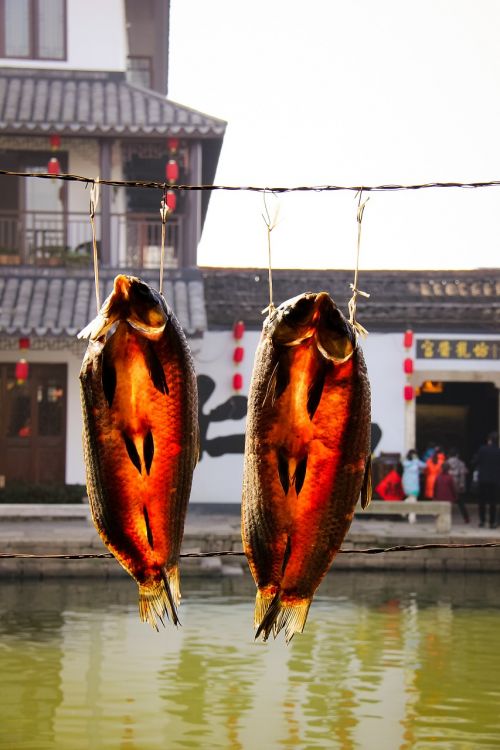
column 458, row 349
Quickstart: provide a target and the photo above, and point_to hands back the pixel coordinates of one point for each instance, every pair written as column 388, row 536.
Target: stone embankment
column 68, row 530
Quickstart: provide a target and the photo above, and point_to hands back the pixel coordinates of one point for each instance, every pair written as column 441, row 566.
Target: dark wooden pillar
column 107, row 258
column 192, row 232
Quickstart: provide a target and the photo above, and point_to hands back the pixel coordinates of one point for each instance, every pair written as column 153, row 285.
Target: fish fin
column 283, row 470
column 290, row 616
column 108, row 377
column 99, row 326
column 271, row 385
column 132, row 452
column 149, row 531
column 158, row 598
column 366, row 488
column 280, row 378
column 156, row 371
column 148, row 448
column 300, row 474
column 315, row 392
column 171, row 582
column 263, row 600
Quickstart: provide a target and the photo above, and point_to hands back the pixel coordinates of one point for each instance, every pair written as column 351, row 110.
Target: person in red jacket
column 444, row 486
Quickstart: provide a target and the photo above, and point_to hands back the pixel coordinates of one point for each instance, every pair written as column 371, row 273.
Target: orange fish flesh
column 139, row 402
column 307, row 455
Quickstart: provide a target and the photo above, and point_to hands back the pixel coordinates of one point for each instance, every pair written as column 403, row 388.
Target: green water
column 386, row 662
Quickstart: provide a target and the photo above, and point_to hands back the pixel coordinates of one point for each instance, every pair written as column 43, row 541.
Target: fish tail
column 263, row 601
column 288, row 615
column 160, row 598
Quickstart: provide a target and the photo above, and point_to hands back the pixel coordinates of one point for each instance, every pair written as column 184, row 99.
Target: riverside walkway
column 68, row 529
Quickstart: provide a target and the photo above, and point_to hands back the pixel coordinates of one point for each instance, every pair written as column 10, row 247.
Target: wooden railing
column 45, row 238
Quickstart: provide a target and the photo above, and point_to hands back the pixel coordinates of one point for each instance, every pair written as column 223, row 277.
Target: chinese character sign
column 473, row 349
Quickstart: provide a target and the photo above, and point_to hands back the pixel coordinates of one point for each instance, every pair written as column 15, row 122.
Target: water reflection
column 410, row 659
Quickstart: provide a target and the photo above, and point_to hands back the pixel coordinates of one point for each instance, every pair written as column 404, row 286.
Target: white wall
column 219, row 479
column 96, row 38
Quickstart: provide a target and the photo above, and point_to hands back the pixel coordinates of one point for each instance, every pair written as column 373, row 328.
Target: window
column 139, row 71
column 33, row 29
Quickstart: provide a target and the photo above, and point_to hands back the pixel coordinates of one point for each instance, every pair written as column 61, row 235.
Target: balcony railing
column 45, row 238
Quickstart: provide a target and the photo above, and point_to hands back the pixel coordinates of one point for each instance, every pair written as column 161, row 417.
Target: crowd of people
column 442, row 475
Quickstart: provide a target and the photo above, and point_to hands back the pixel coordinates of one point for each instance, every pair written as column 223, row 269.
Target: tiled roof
column 422, row 300
column 92, row 102
column 50, row 302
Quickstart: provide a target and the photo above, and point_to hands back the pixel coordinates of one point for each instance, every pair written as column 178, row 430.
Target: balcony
column 45, row 238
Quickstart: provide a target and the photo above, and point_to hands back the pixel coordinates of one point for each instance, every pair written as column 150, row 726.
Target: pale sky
column 347, row 92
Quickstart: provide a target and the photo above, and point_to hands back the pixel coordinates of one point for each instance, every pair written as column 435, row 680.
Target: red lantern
column 55, row 142
column 408, row 339
column 171, row 199
column 238, row 330
column 24, row 343
column 54, row 167
column 22, row 371
column 238, row 354
column 408, row 366
column 408, row 392
column 172, row 171
column 237, row 381
column 173, row 144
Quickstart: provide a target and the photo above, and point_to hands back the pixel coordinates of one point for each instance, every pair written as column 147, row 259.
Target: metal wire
column 233, row 553
column 254, row 188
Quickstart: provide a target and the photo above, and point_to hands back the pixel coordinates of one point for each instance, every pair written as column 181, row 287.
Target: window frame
column 33, row 28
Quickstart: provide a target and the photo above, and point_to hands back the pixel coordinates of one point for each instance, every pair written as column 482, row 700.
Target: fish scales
column 307, row 455
column 139, row 402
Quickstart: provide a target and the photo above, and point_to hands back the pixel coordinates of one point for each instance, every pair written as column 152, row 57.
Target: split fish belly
column 140, row 468
column 315, row 516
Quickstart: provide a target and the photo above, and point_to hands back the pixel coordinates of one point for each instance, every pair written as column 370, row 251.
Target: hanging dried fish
column 307, row 455
column 139, row 403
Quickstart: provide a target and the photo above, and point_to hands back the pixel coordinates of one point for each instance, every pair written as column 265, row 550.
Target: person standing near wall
column 459, row 471
column 433, row 468
column 444, row 486
column 487, row 462
column 412, row 467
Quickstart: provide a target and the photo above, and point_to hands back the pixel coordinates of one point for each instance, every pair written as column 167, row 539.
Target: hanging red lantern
column 173, row 145
column 172, row 171
column 408, row 339
column 171, row 199
column 24, row 343
column 408, row 366
column 54, row 167
column 408, row 392
column 237, row 381
column 55, row 141
column 238, row 354
column 238, row 330
column 21, row 371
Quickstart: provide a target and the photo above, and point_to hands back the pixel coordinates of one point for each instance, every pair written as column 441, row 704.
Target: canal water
column 387, row 661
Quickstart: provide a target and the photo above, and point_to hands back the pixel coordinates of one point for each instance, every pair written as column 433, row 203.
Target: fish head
column 144, row 306
column 312, row 315
column 133, row 301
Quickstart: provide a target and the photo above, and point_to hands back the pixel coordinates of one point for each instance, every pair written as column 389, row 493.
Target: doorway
column 456, row 414
column 33, row 424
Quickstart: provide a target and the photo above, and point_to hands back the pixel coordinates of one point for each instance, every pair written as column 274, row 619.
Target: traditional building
column 72, row 102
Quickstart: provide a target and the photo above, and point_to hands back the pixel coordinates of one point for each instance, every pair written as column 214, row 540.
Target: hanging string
column 255, row 188
column 94, row 200
column 270, row 224
column 354, row 286
column 164, row 212
column 234, row 553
